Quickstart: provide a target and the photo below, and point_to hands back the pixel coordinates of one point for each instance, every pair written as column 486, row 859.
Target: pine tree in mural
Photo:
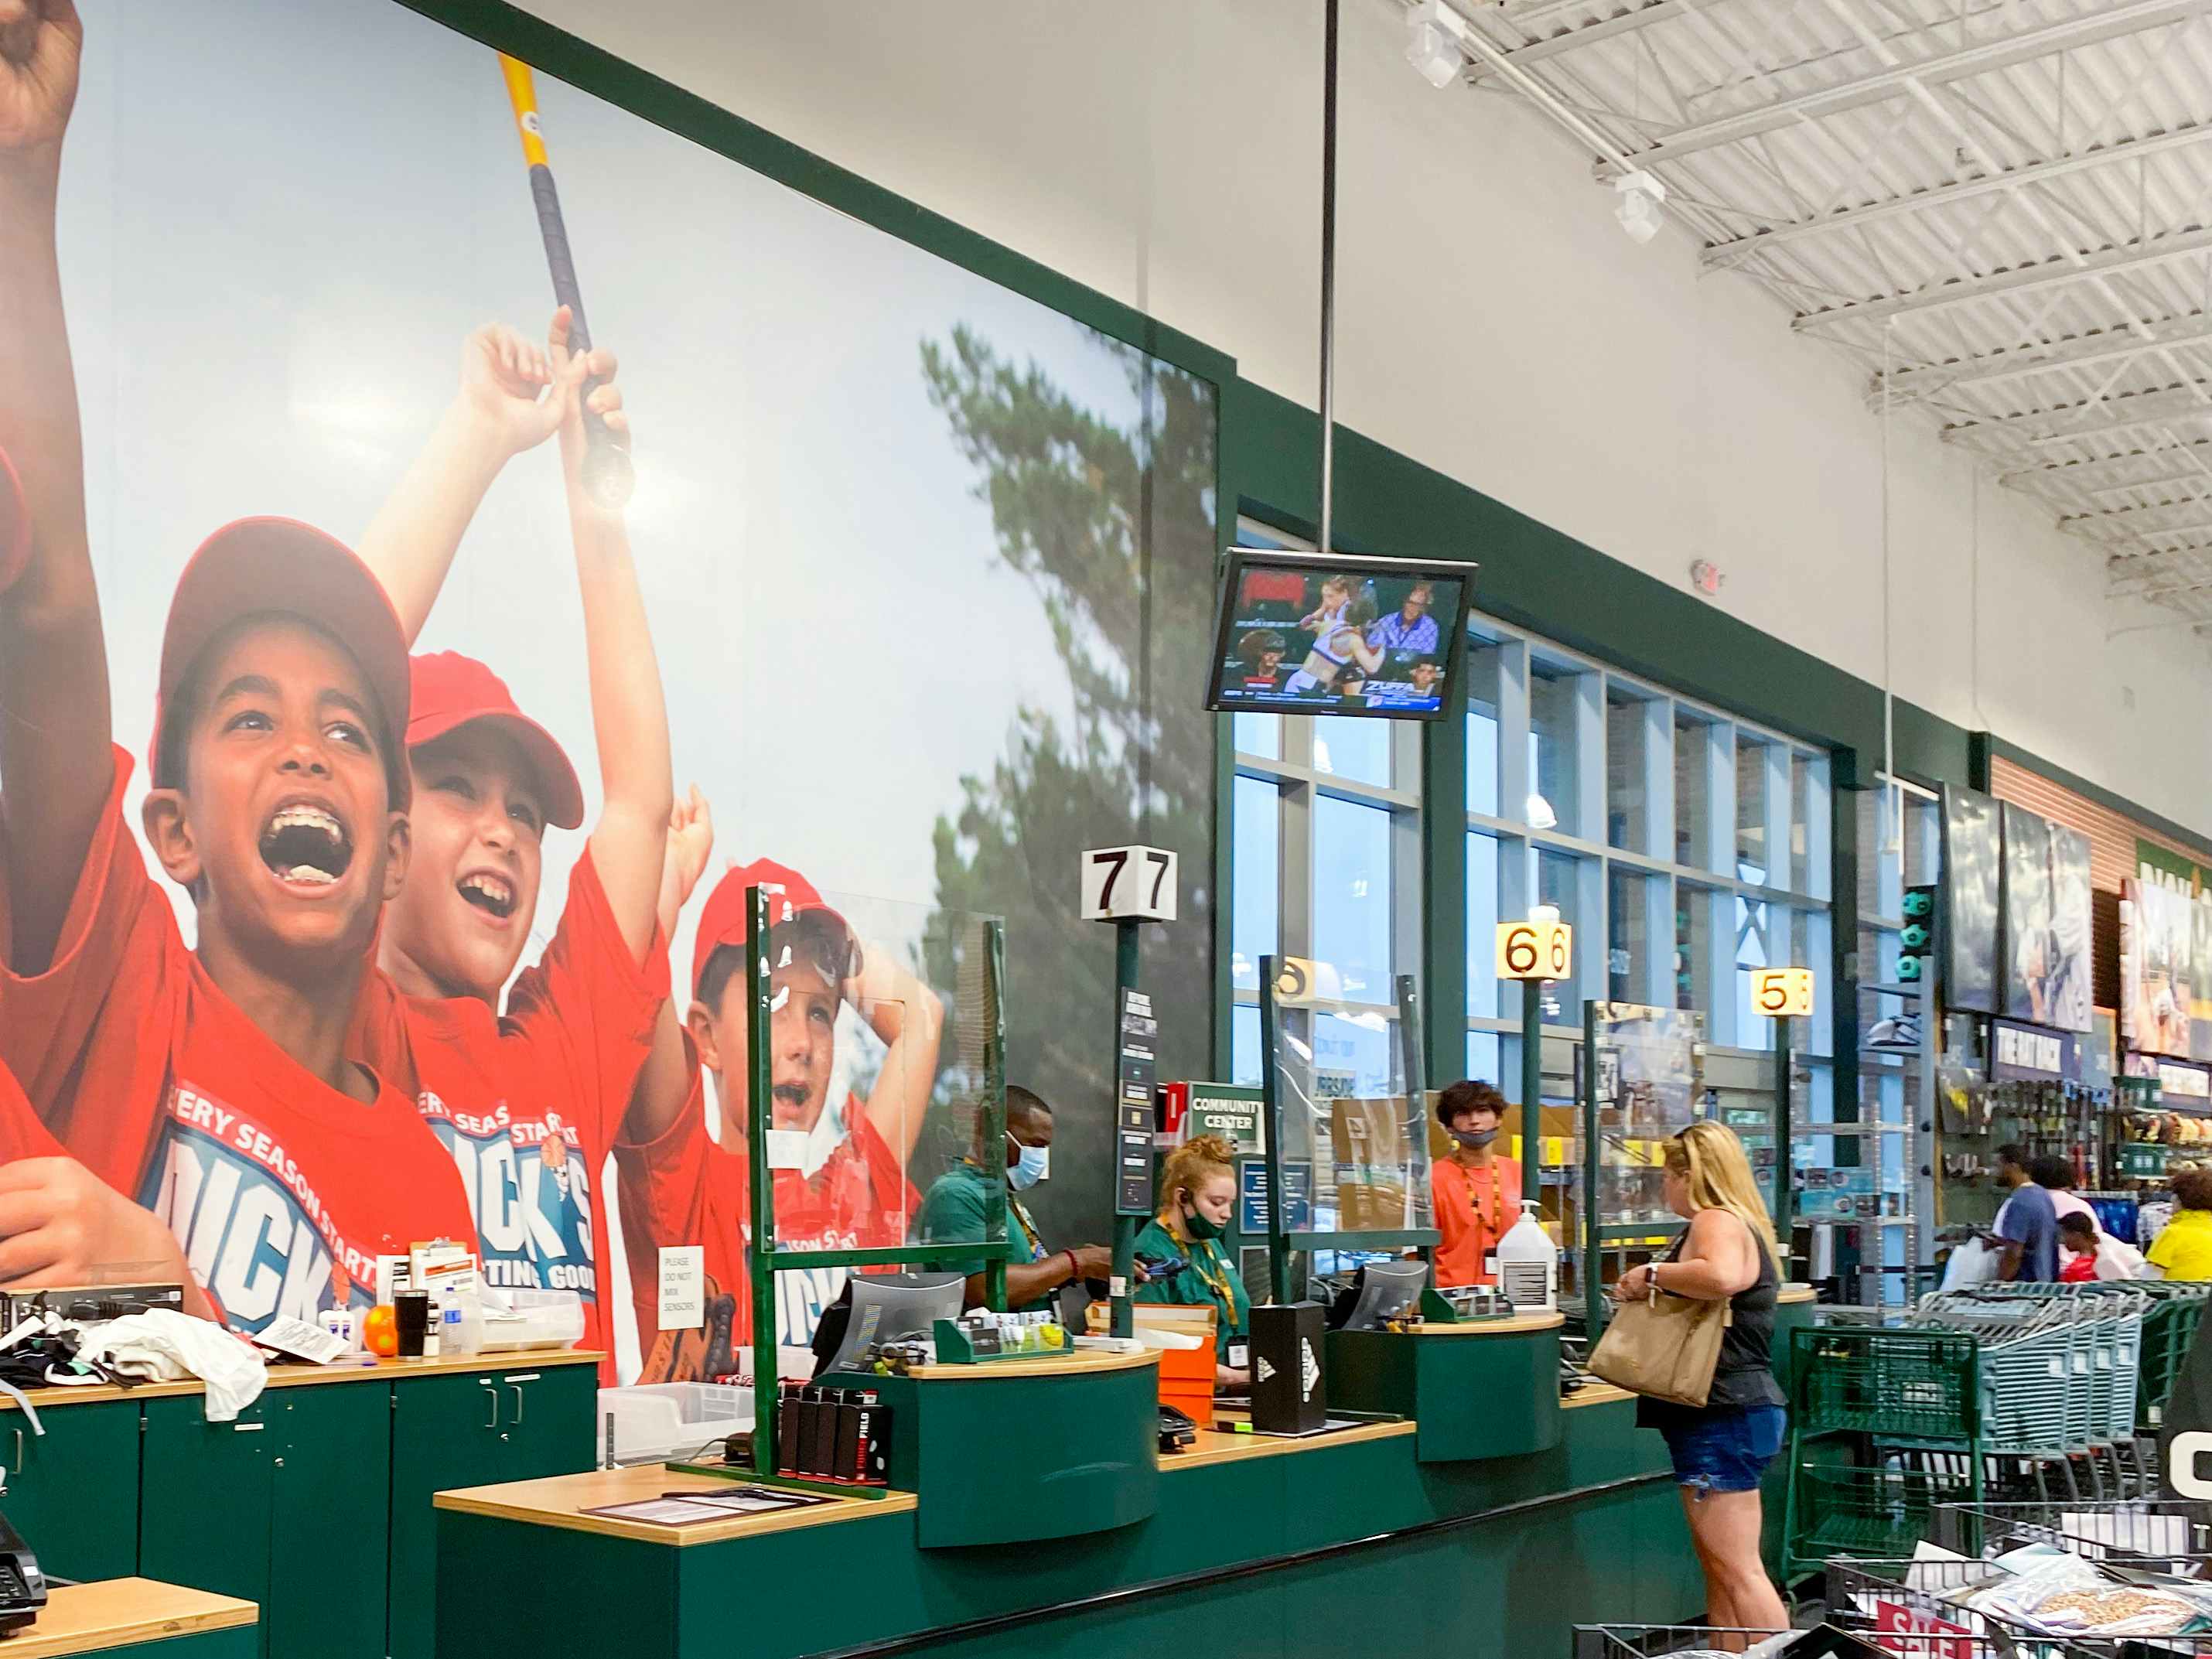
column 1098, row 519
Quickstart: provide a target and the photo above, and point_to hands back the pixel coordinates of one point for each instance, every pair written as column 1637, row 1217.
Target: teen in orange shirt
column 1475, row 1195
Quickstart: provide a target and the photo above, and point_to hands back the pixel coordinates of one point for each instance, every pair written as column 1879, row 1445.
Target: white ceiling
column 2001, row 209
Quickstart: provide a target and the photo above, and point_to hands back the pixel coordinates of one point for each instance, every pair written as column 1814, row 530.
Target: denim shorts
column 1725, row 1449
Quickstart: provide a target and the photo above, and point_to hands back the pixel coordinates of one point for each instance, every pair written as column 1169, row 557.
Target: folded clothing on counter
column 166, row 1346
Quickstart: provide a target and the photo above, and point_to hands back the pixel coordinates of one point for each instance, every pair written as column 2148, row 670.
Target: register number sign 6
column 1535, row 950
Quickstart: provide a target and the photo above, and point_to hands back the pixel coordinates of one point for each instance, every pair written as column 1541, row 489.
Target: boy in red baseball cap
column 528, row 1104
column 213, row 1084
column 834, row 1189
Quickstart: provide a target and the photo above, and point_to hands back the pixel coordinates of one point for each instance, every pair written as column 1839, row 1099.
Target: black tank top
column 1744, row 1375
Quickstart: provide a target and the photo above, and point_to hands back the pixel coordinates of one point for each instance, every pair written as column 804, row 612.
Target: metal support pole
column 993, row 1140
column 1125, row 1226
column 1271, row 1108
column 1532, row 1088
column 1783, row 1068
column 1328, row 275
column 1593, row 1289
column 754, row 1080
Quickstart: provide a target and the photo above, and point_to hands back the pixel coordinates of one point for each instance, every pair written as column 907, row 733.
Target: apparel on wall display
column 2158, row 967
column 2168, row 878
column 2046, row 912
column 919, row 615
column 1972, row 865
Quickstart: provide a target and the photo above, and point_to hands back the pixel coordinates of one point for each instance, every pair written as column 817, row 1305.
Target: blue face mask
column 1030, row 1168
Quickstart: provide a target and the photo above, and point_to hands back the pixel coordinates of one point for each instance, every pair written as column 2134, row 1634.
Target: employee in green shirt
column 1197, row 1195
column 953, row 1214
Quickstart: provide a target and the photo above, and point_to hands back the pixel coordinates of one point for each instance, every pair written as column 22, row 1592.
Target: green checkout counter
column 314, row 1506
column 1030, row 1515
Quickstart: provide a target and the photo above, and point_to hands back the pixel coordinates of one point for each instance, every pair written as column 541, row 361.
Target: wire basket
column 1699, row 1641
column 1908, row 1385
column 1878, row 1510
column 2169, row 1535
column 1906, row 1607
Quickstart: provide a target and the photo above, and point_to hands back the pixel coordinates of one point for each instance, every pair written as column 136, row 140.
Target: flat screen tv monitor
column 879, row 1307
column 1383, row 1290
column 1299, row 633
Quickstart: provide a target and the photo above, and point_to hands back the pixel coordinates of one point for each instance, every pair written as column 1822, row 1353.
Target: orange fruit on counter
column 379, row 1331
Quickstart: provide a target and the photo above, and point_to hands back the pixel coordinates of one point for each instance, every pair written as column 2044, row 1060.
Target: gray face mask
column 1475, row 1140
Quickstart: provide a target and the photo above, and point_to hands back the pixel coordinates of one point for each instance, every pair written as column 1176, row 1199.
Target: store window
column 1351, row 882
column 1255, row 879
column 1750, row 810
column 1632, row 899
column 1554, row 746
column 1683, row 846
column 1345, row 747
column 1628, row 781
column 1484, row 663
column 1696, row 744
column 1482, row 925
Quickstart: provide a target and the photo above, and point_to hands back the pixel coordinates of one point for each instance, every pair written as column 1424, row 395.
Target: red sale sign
column 1900, row 1620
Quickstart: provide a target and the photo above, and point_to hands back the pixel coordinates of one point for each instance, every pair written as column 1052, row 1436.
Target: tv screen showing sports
column 1301, row 633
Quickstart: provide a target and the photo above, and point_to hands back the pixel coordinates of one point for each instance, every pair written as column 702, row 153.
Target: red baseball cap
column 14, row 525
column 790, row 896
column 450, row 691
column 255, row 567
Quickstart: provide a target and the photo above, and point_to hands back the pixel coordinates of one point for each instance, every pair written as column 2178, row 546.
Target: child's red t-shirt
column 21, row 1135
column 683, row 1188
column 554, row 1073
column 283, row 1190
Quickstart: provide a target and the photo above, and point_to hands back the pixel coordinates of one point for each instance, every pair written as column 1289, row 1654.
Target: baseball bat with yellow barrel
column 607, row 472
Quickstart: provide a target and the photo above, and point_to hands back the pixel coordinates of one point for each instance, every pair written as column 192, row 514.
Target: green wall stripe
column 556, row 53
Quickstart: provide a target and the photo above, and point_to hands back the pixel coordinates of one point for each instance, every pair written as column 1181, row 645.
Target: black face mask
column 1475, row 1140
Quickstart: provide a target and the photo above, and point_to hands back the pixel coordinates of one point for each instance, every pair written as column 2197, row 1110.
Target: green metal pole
column 1532, row 1088
column 1782, row 1070
column 1593, row 1289
column 1126, row 1227
column 756, row 1076
column 1271, row 1109
column 1408, row 995
column 994, row 1137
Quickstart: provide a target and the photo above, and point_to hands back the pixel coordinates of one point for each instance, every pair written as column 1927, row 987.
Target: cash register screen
column 879, row 1307
column 1385, row 1290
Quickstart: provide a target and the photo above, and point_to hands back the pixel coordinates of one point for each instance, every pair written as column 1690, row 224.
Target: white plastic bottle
column 1528, row 1263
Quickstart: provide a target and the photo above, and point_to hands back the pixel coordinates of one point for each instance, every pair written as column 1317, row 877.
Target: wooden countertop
column 1067, row 1364
column 503, row 1365
column 557, row 1501
column 1790, row 1293
column 1215, row 1447
column 120, row 1612
column 1595, row 1393
column 1517, row 1325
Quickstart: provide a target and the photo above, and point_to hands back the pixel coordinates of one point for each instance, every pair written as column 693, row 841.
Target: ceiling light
column 1432, row 46
column 1639, row 211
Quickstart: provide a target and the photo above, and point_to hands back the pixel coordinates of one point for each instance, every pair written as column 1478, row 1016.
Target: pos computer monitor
column 1383, row 1290
column 1299, row 633
column 879, row 1307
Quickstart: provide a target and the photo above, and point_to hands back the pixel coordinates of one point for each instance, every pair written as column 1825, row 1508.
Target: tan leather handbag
column 1663, row 1347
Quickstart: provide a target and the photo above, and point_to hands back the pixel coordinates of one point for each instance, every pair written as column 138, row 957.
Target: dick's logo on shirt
column 530, row 1193
column 253, row 1230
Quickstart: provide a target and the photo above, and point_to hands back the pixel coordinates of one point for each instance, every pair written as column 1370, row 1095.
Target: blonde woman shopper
column 1722, row 1449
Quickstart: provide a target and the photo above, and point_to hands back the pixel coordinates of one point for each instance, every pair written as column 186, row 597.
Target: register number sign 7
column 1128, row 884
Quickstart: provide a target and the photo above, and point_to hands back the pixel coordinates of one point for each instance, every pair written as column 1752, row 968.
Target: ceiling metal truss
column 2000, row 210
